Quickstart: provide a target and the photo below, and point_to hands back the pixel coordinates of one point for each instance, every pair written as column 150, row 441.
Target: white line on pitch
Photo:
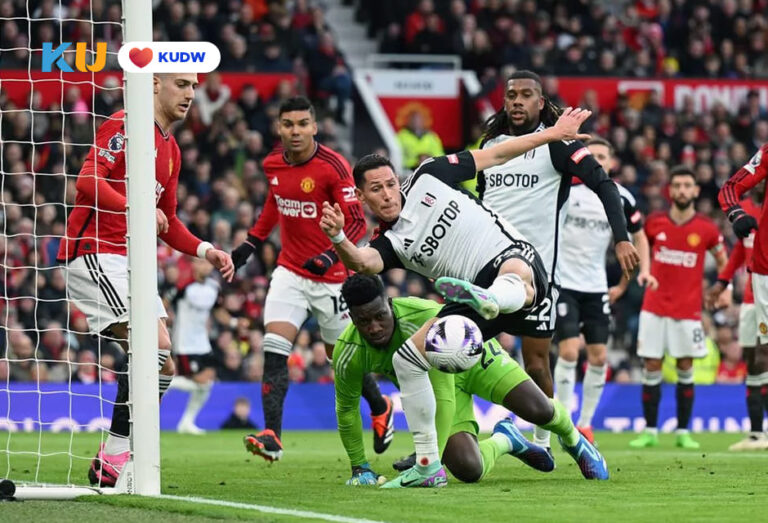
column 306, row 514
column 759, row 454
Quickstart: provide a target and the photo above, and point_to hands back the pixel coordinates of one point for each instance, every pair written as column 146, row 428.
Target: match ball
column 453, row 344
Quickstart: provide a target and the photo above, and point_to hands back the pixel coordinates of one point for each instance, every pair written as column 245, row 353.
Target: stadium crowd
column 225, row 138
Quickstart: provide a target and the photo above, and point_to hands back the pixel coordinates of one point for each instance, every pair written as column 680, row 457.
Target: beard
column 526, row 127
column 683, row 205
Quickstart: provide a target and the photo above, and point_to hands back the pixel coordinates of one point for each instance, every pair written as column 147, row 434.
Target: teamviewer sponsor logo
column 676, row 257
column 296, row 208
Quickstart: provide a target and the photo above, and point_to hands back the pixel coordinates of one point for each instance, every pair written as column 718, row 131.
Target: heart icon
column 140, row 57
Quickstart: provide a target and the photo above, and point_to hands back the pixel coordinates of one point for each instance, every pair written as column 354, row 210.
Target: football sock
column 163, row 381
column 541, row 436
column 121, row 414
column 492, row 449
column 509, row 291
column 684, row 394
column 565, row 381
column 651, row 397
column 594, row 383
column 562, row 425
column 373, row 396
column 418, row 401
column 764, row 390
column 116, row 445
column 445, row 405
column 274, row 385
column 198, row 395
column 754, row 404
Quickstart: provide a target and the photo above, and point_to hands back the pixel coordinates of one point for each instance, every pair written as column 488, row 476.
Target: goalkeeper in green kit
column 379, row 326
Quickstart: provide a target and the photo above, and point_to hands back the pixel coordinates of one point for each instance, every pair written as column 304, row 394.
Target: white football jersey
column 443, row 231
column 531, row 194
column 586, row 237
column 193, row 308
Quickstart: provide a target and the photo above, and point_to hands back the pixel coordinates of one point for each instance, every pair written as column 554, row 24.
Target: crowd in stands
column 225, row 138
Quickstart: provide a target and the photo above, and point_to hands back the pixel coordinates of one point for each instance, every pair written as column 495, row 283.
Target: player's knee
column 463, row 459
column 684, row 364
column 596, row 357
column 466, row 471
column 569, row 349
column 652, row 365
column 761, row 359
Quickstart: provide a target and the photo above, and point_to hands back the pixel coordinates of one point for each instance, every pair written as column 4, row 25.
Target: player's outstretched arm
column 222, row 261
column 566, row 128
column 644, row 278
column 365, row 260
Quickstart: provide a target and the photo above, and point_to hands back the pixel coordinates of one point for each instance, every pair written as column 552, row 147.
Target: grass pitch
column 661, row 484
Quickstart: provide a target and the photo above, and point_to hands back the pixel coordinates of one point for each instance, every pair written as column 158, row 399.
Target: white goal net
column 59, row 82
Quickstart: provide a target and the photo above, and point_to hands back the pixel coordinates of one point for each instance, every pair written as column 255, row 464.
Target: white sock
column 541, row 437
column 565, row 381
column 197, row 399
column 509, row 291
column 184, row 384
column 116, row 445
column 418, row 400
column 594, row 383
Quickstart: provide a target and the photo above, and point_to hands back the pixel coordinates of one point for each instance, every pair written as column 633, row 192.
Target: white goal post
column 141, row 474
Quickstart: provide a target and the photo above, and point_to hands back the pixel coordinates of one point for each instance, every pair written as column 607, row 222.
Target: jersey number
column 339, row 305
column 698, row 335
column 485, row 361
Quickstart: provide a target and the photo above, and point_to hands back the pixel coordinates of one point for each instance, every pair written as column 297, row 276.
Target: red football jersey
column 742, row 254
column 747, row 177
column 295, row 202
column 677, row 262
column 97, row 222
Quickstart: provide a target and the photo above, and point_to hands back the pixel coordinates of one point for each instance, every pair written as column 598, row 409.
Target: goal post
column 21, row 462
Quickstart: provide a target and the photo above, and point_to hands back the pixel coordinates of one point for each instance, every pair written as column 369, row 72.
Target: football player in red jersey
column 95, row 254
column 744, row 223
column 302, row 174
column 742, row 256
column 670, row 319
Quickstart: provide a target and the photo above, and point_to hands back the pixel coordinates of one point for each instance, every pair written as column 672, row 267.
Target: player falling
column 380, row 325
column 584, row 303
column 195, row 363
column 94, row 249
column 670, row 319
column 482, row 264
column 302, row 174
column 531, row 192
column 744, row 223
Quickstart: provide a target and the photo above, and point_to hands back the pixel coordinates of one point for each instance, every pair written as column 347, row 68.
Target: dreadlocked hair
column 498, row 123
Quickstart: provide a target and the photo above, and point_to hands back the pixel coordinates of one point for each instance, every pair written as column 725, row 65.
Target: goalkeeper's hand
column 320, row 264
column 241, row 254
column 363, row 475
column 742, row 222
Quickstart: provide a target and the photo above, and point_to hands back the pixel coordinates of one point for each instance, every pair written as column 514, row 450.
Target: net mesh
column 57, row 379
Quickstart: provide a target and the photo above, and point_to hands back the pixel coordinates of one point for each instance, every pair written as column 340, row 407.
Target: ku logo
column 53, row 57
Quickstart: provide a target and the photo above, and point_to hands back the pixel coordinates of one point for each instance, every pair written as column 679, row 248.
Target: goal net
column 58, row 374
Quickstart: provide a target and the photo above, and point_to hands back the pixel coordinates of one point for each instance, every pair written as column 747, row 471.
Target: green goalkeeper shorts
column 491, row 379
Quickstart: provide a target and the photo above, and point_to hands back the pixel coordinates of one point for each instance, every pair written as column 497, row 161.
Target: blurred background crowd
column 225, row 138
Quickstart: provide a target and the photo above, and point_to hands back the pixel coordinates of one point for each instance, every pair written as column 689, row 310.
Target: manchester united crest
column 763, row 328
column 307, row 185
column 694, row 239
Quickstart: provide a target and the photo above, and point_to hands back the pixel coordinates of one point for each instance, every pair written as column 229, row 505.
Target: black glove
column 320, row 264
column 742, row 222
column 241, row 254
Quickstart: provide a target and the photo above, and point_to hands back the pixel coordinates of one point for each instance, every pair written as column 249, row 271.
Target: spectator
column 319, row 370
column 732, row 367
column 241, row 416
column 329, row 72
column 212, row 95
column 418, row 141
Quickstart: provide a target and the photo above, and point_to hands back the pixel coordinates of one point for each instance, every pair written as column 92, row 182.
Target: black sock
column 373, row 396
column 121, row 414
column 274, row 387
column 755, row 408
column 764, row 395
column 651, row 399
column 684, row 404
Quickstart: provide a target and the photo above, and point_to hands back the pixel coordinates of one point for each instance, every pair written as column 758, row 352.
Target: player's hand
column 718, row 296
column 162, row 221
column 332, row 221
column 222, row 261
column 615, row 293
column 320, row 264
column 569, row 122
column 627, row 256
column 648, row 280
column 362, row 475
column 743, row 223
column 243, row 251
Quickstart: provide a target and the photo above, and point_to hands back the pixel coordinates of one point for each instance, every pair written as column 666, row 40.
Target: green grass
column 661, row 484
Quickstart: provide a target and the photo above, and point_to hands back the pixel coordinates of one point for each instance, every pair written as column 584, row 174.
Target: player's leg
column 686, row 342
column 596, row 326
column 196, row 376
column 328, row 306
column 651, row 340
column 567, row 332
column 760, row 290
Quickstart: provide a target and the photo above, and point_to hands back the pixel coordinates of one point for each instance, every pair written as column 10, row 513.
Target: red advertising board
column 704, row 92
column 16, row 84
